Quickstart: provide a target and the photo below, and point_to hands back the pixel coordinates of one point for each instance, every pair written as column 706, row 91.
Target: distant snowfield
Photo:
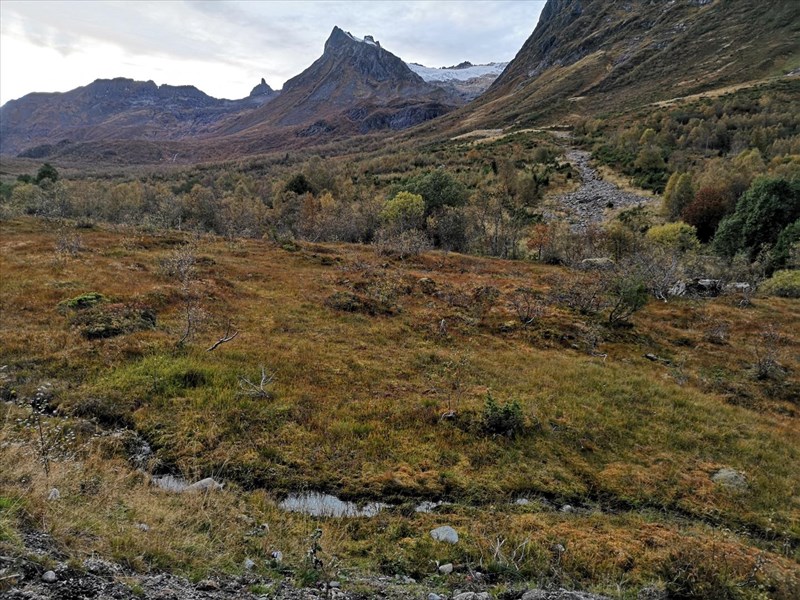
column 431, row 74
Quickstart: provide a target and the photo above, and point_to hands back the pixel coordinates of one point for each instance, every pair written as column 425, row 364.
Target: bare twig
column 258, row 390
column 224, row 339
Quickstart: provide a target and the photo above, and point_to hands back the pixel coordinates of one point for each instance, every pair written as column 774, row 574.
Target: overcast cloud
column 225, row 48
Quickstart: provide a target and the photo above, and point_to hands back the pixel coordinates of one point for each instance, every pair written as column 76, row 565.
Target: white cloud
column 224, row 48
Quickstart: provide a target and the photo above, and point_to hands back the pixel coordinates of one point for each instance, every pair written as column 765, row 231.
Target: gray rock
column 207, row 484
column 522, row 502
column 143, row 527
column 446, row 568
column 678, row 289
column 207, row 585
column 567, row 508
column 730, row 478
column 652, row 592
column 98, row 566
column 426, row 506
column 433, row 596
column 597, row 263
column 249, row 565
column 445, row 534
column 178, row 485
column 334, row 584
column 49, row 577
column 54, row 494
column 560, row 594
column 465, row 596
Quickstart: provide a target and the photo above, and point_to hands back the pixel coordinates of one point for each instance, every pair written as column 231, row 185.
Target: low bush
column 785, row 284
column 105, row 321
column 83, row 301
column 502, row 419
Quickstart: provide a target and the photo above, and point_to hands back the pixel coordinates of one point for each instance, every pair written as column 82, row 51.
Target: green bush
column 502, row 419
column 769, row 206
column 785, row 284
column 674, row 236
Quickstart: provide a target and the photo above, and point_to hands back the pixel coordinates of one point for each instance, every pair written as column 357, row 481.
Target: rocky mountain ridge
column 113, row 109
column 355, row 87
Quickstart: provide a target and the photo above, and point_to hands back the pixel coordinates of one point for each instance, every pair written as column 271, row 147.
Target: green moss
column 83, row 301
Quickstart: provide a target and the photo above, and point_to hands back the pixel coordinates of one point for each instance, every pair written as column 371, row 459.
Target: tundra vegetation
column 378, row 343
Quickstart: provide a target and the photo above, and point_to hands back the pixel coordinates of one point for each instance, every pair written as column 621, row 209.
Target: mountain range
column 584, row 57
column 356, row 86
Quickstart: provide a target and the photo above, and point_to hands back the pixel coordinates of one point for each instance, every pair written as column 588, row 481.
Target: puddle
column 316, row 504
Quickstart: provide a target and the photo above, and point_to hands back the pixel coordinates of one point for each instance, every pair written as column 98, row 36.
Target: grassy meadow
column 380, row 373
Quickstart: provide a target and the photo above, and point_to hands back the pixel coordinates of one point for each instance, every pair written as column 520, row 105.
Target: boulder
column 49, row 577
column 592, row 264
column 445, row 534
column 207, row 484
column 730, row 478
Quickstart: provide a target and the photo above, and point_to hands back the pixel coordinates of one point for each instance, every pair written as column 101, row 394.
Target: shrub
column 346, row 301
column 582, row 293
column 527, row 304
column 763, row 211
column 299, row 185
column 502, row 419
column 402, row 244
column 47, row 171
column 674, row 236
column 785, row 284
column 628, row 294
column 678, row 194
column 404, row 211
column 786, row 252
column 438, row 189
column 105, row 321
column 709, row 207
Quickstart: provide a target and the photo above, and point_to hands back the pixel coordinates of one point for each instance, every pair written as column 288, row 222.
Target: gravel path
column 588, row 204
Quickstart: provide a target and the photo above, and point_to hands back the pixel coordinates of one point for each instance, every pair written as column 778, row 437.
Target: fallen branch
column 257, row 390
column 224, row 339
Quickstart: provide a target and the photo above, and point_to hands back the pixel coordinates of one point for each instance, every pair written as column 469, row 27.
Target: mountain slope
column 356, row 86
column 587, row 56
column 114, row 109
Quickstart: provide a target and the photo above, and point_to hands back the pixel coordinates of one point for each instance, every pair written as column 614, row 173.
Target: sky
column 225, row 47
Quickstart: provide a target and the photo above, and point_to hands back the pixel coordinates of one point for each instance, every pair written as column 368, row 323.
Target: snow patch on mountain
column 457, row 74
column 368, row 39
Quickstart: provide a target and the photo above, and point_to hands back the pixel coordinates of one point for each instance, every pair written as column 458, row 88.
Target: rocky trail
column 588, row 204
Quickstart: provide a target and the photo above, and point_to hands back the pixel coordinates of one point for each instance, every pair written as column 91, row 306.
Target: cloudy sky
column 226, row 47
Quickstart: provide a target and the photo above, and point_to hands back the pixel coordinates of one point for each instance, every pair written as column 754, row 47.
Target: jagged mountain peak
column 340, row 38
column 261, row 89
